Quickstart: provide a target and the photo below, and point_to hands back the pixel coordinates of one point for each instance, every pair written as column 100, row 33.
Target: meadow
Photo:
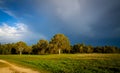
column 68, row 63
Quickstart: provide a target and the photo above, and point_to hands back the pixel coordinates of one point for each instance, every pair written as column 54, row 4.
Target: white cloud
column 10, row 13
column 17, row 33
column 12, row 31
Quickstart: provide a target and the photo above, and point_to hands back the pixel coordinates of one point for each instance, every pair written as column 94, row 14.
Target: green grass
column 69, row 63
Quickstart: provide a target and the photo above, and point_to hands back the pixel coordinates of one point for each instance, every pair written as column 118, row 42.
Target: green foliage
column 6, row 48
column 15, row 48
column 53, row 49
column 41, row 47
column 21, row 47
column 60, row 42
column 78, row 48
column 81, row 48
column 106, row 49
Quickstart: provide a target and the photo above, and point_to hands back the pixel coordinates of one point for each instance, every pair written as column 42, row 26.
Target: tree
column 89, row 49
column 110, row 49
column 98, row 49
column 8, row 48
column 13, row 49
column 5, row 48
column 52, row 49
column 78, row 48
column 20, row 47
column 28, row 50
column 61, row 42
column 34, row 49
column 41, row 47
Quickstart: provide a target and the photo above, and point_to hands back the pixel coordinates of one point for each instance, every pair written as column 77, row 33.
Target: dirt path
column 11, row 68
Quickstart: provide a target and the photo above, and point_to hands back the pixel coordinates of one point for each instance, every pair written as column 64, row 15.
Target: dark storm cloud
column 94, row 18
column 108, row 25
column 86, row 20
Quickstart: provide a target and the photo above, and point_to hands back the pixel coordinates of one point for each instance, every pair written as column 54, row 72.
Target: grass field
column 69, row 63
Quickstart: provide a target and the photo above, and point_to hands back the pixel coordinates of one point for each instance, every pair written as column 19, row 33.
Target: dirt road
column 11, row 68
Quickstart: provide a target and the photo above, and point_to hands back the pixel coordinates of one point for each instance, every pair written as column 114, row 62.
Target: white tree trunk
column 59, row 51
column 20, row 52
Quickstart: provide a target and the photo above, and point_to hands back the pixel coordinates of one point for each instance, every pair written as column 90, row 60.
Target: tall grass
column 69, row 63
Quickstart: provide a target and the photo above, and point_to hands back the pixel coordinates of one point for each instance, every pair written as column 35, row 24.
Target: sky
column 93, row 22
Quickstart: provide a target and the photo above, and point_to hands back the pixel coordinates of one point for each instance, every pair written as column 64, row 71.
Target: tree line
column 59, row 43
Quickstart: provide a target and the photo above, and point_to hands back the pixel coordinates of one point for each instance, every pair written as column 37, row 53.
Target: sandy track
column 15, row 69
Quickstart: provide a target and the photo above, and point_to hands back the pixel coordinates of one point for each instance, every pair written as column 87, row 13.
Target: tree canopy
column 59, row 43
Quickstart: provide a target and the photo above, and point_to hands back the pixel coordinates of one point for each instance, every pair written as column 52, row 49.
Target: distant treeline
column 58, row 44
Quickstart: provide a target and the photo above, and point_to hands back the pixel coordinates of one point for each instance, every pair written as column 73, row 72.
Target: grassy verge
column 69, row 63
